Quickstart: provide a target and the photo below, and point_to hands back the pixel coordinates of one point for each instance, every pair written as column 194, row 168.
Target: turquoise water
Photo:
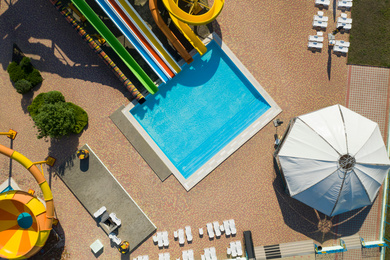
column 200, row 110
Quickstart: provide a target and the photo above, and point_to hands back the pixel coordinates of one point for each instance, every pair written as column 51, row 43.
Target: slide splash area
column 102, row 29
column 25, row 223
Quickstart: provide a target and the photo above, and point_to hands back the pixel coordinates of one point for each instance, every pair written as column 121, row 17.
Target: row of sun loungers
column 179, row 234
column 209, row 254
column 188, row 255
column 344, row 4
column 235, row 249
column 141, row 257
column 161, row 239
column 164, row 256
column 229, row 227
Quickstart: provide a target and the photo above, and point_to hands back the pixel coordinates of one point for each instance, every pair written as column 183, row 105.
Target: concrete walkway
column 94, row 186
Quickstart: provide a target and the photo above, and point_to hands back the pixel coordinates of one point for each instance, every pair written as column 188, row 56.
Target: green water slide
column 87, row 11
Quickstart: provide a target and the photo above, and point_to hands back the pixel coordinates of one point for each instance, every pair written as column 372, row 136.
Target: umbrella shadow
column 316, row 225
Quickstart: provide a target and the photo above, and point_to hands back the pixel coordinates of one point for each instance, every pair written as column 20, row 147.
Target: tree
column 55, row 120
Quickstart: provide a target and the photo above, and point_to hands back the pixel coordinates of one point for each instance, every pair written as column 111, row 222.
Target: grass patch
column 370, row 34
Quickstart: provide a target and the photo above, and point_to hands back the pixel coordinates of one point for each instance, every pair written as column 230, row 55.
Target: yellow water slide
column 25, row 223
column 182, row 18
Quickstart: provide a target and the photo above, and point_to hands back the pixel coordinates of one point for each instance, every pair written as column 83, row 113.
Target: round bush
column 52, row 97
column 23, row 86
column 15, row 72
column 55, row 120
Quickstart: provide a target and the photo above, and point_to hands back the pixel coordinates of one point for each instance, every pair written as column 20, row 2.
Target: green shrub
column 36, row 104
column 26, row 65
column 15, row 72
column 52, row 97
column 54, row 117
column 81, row 117
column 23, row 86
column 55, row 120
column 34, row 77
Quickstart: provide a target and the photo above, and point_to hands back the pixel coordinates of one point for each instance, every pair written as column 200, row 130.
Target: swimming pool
column 199, row 117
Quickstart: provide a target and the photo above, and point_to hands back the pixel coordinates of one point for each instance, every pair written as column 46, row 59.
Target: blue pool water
column 200, row 110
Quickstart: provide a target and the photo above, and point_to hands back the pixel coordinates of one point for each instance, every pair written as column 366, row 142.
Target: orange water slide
column 168, row 33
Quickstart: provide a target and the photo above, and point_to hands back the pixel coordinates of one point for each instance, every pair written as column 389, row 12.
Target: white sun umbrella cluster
column 334, row 160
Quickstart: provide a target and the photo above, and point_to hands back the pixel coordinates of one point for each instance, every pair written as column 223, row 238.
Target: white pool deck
column 232, row 146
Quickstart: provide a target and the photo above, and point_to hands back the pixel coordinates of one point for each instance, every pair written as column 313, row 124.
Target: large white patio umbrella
column 333, row 160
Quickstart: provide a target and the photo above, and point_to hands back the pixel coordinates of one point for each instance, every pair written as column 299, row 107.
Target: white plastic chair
column 165, row 238
column 181, row 236
column 210, row 230
column 232, row 226
column 200, row 232
column 216, row 229
column 227, row 228
column 188, row 233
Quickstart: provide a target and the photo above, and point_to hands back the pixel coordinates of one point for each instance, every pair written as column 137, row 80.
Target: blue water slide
column 129, row 35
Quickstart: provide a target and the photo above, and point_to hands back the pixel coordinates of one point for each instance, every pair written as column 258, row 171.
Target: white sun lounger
column 216, row 229
column 213, row 253
column 188, row 233
column 181, row 236
column 315, row 45
column 239, row 248
column 207, row 253
column 232, row 226
column 190, row 254
column 155, row 239
column 345, row 4
column 167, row 256
column 160, row 239
column 165, row 238
column 233, row 247
column 210, row 230
column 322, row 2
column 320, row 18
column 145, row 257
column 202, row 257
column 175, row 235
column 338, row 48
column 342, row 43
column 320, row 24
column 161, row 256
column 185, row 255
column 344, row 20
column 228, row 232
column 346, row 26
column 100, row 212
column 316, row 38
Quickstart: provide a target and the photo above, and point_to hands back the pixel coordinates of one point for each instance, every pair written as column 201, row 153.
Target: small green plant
column 23, row 86
column 24, row 71
column 56, row 118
